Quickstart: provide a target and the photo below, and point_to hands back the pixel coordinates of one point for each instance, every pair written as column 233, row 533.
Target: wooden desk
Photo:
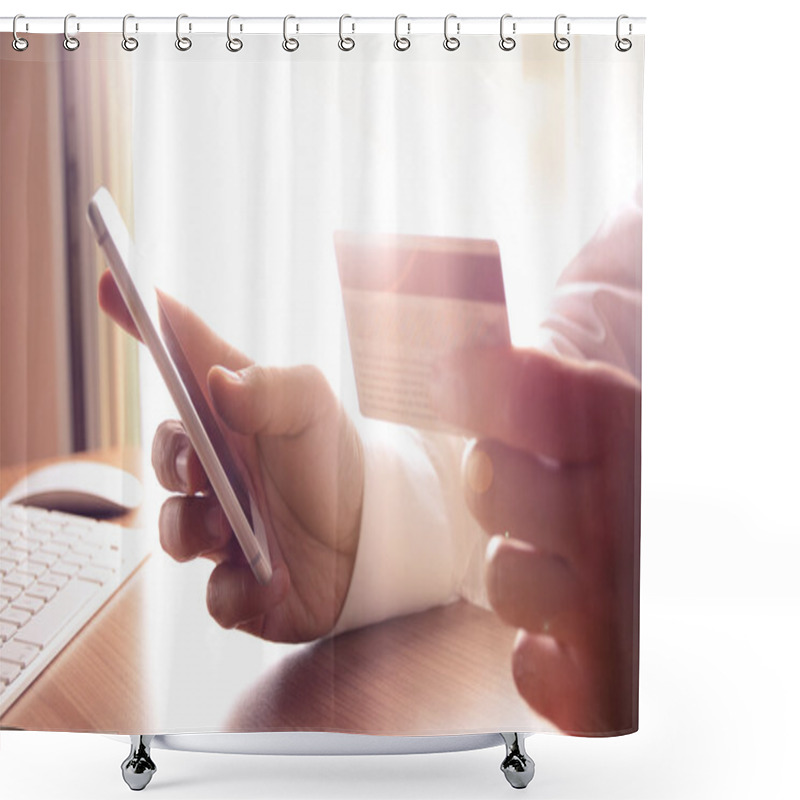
column 447, row 670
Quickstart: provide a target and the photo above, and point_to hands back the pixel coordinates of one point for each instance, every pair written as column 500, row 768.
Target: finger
column 234, row 596
column 552, row 683
column 272, row 400
column 193, row 526
column 175, row 461
column 200, row 347
column 534, row 591
column 551, row 506
column 110, row 300
column 556, row 407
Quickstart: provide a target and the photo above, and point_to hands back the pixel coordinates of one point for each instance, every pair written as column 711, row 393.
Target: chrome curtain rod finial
column 17, row 42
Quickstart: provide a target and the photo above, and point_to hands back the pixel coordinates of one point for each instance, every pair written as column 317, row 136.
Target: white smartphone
column 227, row 479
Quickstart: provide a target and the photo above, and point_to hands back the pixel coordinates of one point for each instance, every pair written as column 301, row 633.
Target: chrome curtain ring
column 129, row 43
column 233, row 44
column 401, row 43
column 183, row 43
column 70, row 42
column 506, row 42
column 289, row 44
column 623, row 45
column 346, row 42
column 18, row 43
column 561, row 43
column 451, row 42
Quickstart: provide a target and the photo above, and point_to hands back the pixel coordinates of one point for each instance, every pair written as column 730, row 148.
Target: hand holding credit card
column 409, row 301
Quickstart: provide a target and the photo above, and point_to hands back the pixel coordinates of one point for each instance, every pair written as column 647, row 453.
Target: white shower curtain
column 247, row 168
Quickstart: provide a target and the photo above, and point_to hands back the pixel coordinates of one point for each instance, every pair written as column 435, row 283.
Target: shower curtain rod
column 322, row 25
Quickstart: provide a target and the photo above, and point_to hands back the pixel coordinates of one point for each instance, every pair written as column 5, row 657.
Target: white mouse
column 89, row 488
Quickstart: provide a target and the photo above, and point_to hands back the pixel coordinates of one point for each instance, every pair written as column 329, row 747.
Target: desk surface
column 447, row 670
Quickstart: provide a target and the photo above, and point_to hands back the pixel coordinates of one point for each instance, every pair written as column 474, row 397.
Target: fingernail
column 230, row 375
column 478, row 471
column 182, row 467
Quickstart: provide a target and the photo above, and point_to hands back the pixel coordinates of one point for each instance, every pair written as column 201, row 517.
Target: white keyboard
column 56, row 571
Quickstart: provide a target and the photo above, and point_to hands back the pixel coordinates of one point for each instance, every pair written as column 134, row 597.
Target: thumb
column 269, row 400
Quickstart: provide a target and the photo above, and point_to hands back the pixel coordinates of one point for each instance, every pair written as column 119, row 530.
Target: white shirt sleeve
column 419, row 546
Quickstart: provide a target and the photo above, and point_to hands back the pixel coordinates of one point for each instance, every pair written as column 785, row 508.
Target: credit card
column 409, row 301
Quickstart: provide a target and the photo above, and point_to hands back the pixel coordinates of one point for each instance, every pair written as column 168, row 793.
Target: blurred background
column 68, row 377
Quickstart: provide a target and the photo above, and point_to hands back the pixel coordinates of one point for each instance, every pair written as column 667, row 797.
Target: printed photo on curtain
column 321, row 382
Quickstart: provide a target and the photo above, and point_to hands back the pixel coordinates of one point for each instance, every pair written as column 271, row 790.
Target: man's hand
column 305, row 460
column 555, row 472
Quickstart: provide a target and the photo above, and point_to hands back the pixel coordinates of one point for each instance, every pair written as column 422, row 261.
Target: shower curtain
column 405, row 280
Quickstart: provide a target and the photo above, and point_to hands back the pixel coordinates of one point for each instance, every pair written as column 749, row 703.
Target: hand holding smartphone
column 226, row 476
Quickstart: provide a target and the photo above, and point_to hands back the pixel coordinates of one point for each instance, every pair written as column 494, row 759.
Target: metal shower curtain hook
column 233, row 44
column 346, row 43
column 561, row 43
column 17, row 42
column 401, row 43
column 129, row 43
column 70, row 42
column 623, row 45
column 506, row 42
column 289, row 44
column 451, row 42
column 183, row 43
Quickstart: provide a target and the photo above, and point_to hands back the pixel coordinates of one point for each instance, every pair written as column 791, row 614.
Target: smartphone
column 227, row 476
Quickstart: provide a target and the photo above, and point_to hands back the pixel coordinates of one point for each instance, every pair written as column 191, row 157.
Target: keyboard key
column 38, row 536
column 13, row 616
column 18, row 653
column 96, row 575
column 8, row 671
column 55, row 547
column 52, row 618
column 6, row 566
column 28, row 603
column 65, row 568
column 43, row 591
column 19, row 578
column 32, row 568
column 46, row 559
column 51, row 579
column 10, row 591
column 6, row 631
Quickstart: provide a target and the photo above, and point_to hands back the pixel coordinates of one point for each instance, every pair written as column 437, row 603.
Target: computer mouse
column 89, row 488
